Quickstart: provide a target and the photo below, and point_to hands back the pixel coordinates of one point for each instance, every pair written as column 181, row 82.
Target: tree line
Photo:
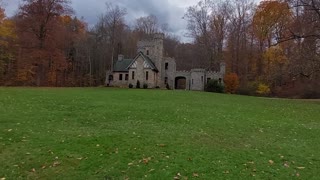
column 273, row 44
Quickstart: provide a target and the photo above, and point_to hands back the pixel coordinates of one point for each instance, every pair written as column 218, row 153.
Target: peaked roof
column 121, row 65
column 146, row 58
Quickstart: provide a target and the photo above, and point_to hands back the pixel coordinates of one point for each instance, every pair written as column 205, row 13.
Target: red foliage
column 231, row 83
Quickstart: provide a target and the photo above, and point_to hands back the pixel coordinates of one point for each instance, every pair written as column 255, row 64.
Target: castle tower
column 153, row 48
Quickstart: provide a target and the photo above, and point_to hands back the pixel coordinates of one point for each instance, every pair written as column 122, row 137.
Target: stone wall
column 197, row 79
column 169, row 69
column 140, row 74
column 120, row 83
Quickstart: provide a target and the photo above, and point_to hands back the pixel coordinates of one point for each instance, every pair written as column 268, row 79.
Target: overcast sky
column 167, row 11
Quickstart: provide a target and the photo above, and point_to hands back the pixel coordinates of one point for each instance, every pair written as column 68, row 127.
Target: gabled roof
column 121, row 65
column 146, row 59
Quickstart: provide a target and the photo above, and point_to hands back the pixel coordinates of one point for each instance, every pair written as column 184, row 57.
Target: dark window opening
column 220, row 80
column 147, row 75
column 132, row 75
column 201, row 78
column 166, row 80
column 166, row 66
column 147, row 52
column 120, row 77
column 127, row 77
column 208, row 79
column 192, row 81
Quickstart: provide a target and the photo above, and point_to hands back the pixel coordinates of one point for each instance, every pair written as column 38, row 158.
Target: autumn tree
column 39, row 26
column 240, row 46
column 7, row 46
column 270, row 23
column 275, row 61
column 231, row 83
column 108, row 35
column 198, row 18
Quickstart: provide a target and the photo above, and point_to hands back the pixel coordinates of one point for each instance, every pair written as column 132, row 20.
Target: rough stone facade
column 152, row 68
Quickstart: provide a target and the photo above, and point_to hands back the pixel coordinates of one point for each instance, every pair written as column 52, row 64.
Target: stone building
column 152, row 68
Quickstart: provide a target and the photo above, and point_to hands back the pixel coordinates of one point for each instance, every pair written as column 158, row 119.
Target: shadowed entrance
column 180, row 82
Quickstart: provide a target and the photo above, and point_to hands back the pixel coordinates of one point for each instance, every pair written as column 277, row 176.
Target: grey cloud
column 167, row 11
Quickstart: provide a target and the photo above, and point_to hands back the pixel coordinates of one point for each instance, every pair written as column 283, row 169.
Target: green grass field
column 100, row 133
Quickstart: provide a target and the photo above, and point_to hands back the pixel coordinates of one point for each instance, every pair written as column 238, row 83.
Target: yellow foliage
column 6, row 29
column 275, row 55
column 263, row 89
column 2, row 15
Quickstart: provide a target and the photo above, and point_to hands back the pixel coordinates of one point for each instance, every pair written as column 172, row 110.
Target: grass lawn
column 100, row 133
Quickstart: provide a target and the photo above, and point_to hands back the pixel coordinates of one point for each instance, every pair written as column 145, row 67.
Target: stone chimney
column 120, row 57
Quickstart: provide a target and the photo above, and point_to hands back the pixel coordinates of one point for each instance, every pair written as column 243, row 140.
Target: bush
column 130, row 86
column 263, row 89
column 145, row 86
column 248, row 89
column 231, row 83
column 214, row 86
column 138, row 84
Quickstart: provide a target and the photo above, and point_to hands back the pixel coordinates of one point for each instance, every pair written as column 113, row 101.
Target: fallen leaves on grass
column 146, row 160
column 286, row 164
column 162, row 145
column 300, row 167
column 177, row 177
column 271, row 162
column 56, row 163
column 3, row 178
column 195, row 175
column 33, row 170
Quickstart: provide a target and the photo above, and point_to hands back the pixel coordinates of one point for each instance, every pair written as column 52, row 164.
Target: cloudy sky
column 167, row 11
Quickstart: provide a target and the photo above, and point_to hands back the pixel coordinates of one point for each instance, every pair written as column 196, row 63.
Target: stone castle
column 152, row 68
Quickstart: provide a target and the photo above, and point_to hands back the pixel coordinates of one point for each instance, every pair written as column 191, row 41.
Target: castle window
column 192, row 81
column 208, row 79
column 120, row 77
column 166, row 80
column 132, row 75
column 147, row 75
column 127, row 77
column 201, row 78
column 147, row 52
column 166, row 66
column 220, row 80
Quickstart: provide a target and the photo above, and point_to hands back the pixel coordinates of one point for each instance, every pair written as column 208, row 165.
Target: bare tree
column 147, row 25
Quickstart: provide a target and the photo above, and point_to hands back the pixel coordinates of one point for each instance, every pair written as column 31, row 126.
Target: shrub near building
column 231, row 83
column 214, row 86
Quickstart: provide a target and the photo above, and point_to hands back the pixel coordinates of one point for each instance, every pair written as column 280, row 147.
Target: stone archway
column 180, row 82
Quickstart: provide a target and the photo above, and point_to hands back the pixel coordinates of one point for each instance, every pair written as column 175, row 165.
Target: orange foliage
column 231, row 83
column 271, row 17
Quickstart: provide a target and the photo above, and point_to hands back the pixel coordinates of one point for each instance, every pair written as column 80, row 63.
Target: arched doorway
column 180, row 82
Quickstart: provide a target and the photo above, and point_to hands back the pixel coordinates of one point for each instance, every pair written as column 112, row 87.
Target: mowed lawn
column 102, row 133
